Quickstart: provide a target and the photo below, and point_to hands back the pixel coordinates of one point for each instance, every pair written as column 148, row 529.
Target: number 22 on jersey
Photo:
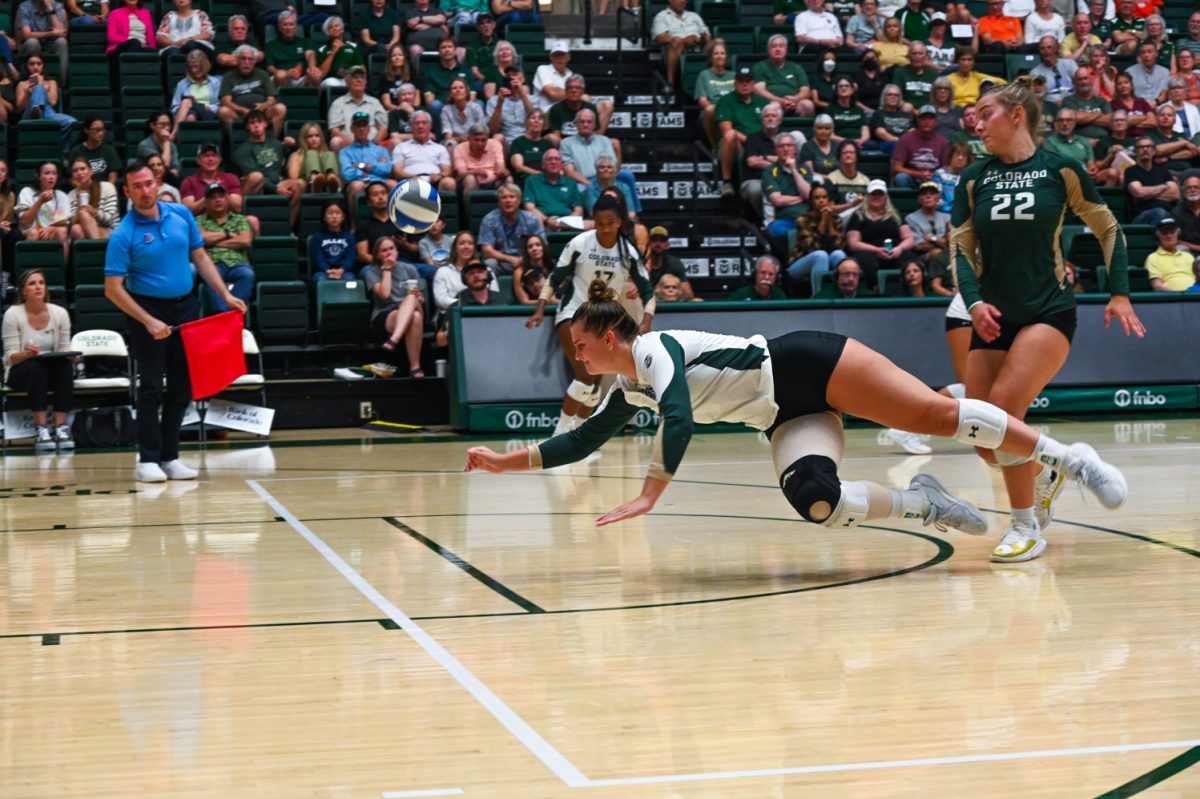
column 1013, row 206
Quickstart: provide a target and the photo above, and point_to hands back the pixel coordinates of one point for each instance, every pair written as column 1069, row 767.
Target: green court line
column 1155, row 775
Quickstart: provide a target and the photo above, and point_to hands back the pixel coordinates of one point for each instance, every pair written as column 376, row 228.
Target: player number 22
column 1020, row 210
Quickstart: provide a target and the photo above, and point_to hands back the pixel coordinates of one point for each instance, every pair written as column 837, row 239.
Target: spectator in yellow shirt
column 1171, row 267
column 967, row 82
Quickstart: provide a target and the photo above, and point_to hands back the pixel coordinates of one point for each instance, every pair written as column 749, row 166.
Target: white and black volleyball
column 414, row 205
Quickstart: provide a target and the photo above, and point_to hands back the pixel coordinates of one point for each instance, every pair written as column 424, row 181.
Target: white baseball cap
column 877, row 185
column 559, row 46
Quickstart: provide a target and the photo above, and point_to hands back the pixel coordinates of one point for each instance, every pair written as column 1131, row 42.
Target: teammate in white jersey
column 599, row 254
column 795, row 388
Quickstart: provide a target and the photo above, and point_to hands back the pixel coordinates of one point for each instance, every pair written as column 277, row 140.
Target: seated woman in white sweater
column 94, row 210
column 31, row 327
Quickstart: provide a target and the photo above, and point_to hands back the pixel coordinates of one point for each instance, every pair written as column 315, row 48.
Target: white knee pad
column 851, row 509
column 583, row 393
column 957, row 390
column 980, row 424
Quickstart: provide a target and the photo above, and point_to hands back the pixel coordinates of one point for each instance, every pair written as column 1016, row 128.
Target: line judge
column 149, row 277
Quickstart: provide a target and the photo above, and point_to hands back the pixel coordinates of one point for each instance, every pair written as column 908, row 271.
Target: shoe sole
column 929, row 481
column 1029, row 554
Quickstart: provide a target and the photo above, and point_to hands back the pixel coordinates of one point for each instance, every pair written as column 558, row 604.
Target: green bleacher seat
column 506, row 290
column 1019, row 64
column 281, row 308
column 94, row 311
column 38, row 140
column 529, row 39
column 275, row 258
column 303, row 104
column 140, row 70
column 479, row 204
column 342, row 311
column 87, row 102
column 142, row 101
column 86, row 40
column 87, row 260
column 274, row 212
column 890, row 284
column 87, row 71
column 192, row 134
column 45, row 255
column 719, row 12
column 557, row 241
column 691, row 65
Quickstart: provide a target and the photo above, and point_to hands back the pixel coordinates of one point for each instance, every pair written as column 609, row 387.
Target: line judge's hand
column 158, row 329
column 234, row 303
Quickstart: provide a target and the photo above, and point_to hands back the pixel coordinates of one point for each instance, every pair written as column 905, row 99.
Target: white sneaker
column 909, row 442
column 1019, row 544
column 1047, row 486
column 1105, row 481
column 178, row 470
column 947, row 510
column 149, row 473
column 45, row 438
column 62, row 437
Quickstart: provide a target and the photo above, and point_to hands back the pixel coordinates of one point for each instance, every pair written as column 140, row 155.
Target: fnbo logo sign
column 1123, row 398
column 518, row 420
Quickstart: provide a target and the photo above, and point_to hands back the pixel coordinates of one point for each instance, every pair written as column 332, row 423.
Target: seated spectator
column 819, row 243
column 1058, row 72
column 669, row 288
column 267, row 12
column 333, row 248
column 198, row 94
column 1140, row 113
column 1149, row 79
column 44, row 209
column 914, row 21
column 949, row 114
column 163, row 190
column 1114, row 152
column 363, row 159
column 762, row 287
column 876, row 236
column 758, row 154
column 481, row 288
column 94, row 208
column 999, row 33
column 940, row 49
column 661, row 264
column 712, row 84
column 531, row 284
column 560, row 119
column 248, row 88
column 130, row 30
column 42, row 27
column 313, row 162
column 551, row 195
column 1077, row 43
column 82, row 13
column 100, row 154
column 479, row 163
column 947, row 178
column 846, row 284
column 737, row 117
column 227, row 237
column 502, row 57
column 550, row 80
column 185, row 29
column 1044, row 22
column 225, row 45
column 356, row 101
column 912, row 282
column 930, row 226
column 37, row 96
column 1186, row 70
column 33, row 325
column 478, row 54
column 916, row 78
column 503, row 230
column 1170, row 148
column 421, row 156
column 465, row 12
column 1187, row 117
column 378, row 28
column 525, row 153
column 849, row 118
column 1171, row 267
column 400, row 116
column 848, row 183
column 966, row 82
column 436, row 78
column 509, row 108
column 870, row 80
column 781, row 81
column 397, row 302
column 1093, row 114
column 817, row 29
column 920, row 152
column 460, row 114
column 1156, row 34
column 1151, row 189
column 824, row 82
column 396, row 75
column 786, row 187
column 531, row 275
column 864, row 27
column 338, row 54
column 891, row 121
column 194, row 188
column 434, row 247
column 677, row 31
column 523, row 12
column 1191, row 41
column 1064, row 141
column 450, row 280
column 291, row 59
column 580, row 152
column 377, row 225
column 605, row 177
column 161, row 142
column 260, row 159
column 819, row 154
column 1187, row 213
column 891, row 50
column 424, row 27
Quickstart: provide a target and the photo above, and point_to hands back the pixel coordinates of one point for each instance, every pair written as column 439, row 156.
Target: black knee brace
column 810, row 480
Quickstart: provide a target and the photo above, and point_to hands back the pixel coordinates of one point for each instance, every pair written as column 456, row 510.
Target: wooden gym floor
column 366, row 621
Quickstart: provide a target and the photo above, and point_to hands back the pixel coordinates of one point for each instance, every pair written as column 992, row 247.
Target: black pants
column 158, row 441
column 39, row 378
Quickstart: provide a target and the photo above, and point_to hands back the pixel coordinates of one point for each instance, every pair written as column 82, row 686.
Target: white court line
column 564, row 769
column 928, row 761
column 439, row 792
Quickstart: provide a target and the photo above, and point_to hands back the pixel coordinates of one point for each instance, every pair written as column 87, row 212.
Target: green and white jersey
column 1007, row 243
column 688, row 378
column 583, row 260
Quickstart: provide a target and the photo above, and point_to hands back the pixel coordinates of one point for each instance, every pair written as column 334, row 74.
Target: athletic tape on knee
column 583, row 393
column 1008, row 459
column 851, row 509
column 980, row 424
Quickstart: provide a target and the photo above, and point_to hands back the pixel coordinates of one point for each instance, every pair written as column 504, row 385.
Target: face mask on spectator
column 830, row 66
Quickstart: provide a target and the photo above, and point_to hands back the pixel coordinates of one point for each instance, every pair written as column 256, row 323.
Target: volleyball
column 414, row 205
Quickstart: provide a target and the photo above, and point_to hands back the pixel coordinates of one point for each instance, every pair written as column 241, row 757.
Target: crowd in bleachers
column 841, row 128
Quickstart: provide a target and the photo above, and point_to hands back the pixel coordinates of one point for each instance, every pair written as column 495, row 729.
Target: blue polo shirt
column 155, row 255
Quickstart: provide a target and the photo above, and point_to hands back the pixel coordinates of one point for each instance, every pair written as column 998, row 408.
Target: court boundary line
column 530, row 738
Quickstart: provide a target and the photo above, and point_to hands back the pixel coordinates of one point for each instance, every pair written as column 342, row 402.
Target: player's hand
column 535, row 320
column 627, row 510
column 631, row 292
column 985, row 319
column 1121, row 308
column 483, row 458
column 158, row 329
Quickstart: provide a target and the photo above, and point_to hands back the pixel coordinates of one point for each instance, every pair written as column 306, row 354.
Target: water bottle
column 887, row 246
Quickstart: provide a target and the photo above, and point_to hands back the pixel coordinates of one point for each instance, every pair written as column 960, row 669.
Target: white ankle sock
column 908, row 504
column 1049, row 452
column 1024, row 517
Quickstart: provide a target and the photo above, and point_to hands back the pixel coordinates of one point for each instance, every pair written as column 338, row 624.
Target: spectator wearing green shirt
column 478, row 55
column 914, row 21
column 560, row 119
column 236, row 34
column 248, row 88
column 335, row 57
column 846, row 285
column 261, row 160
column 781, row 81
column 738, row 115
column 1127, row 30
column 785, row 186
column 711, row 85
column 227, row 238
column 916, row 79
column 436, row 78
column 378, row 28
column 551, row 195
column 1064, row 141
column 766, row 272
column 291, row 59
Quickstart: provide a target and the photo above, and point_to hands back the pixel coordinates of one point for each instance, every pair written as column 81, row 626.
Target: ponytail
column 1020, row 93
column 602, row 313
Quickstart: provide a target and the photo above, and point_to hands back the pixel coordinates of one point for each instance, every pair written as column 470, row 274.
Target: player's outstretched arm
column 651, row 490
column 488, row 460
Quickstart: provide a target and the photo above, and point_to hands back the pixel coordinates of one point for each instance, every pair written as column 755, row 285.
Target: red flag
column 214, row 352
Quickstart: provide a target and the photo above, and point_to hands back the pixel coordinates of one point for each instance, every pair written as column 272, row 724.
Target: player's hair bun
column 599, row 291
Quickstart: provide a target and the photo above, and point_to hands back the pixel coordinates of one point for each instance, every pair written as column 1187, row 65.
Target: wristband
column 971, row 307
